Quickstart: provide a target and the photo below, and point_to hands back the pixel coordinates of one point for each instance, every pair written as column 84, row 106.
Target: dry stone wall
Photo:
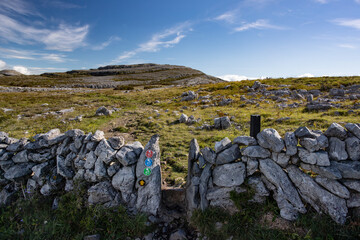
column 51, row 163
column 277, row 167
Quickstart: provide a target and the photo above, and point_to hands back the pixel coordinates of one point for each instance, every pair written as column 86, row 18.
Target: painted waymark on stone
column 147, row 171
column 148, row 162
column 149, row 153
column 142, row 183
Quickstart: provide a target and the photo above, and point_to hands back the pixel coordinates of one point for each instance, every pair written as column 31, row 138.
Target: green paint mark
column 147, row 171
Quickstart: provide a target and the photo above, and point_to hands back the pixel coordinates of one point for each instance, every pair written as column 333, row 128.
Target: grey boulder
column 269, row 138
column 336, row 130
column 228, row 155
column 256, row 152
column 229, row 175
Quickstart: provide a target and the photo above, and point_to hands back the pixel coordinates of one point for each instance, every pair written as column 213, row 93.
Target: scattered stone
column 337, row 92
column 189, row 96
column 222, row 123
column 183, row 118
column 103, row 111
column 269, row 138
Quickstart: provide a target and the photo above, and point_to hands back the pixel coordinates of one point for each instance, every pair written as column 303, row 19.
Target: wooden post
column 255, row 125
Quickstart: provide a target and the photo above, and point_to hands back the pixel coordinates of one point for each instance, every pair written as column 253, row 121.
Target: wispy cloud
column 346, row 45
column 61, row 4
column 322, row 1
column 228, row 17
column 259, row 24
column 31, row 55
column 168, row 38
column 17, row 7
column 353, row 23
column 106, row 43
column 64, row 38
column 234, row 77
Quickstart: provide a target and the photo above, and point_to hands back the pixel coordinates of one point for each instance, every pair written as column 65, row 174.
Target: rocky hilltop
column 8, row 72
column 135, row 75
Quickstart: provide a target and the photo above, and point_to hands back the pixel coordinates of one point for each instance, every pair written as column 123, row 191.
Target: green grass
column 35, row 219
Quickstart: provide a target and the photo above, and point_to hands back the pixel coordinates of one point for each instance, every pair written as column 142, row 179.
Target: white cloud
column 31, row 55
column 106, row 43
column 346, row 45
column 22, row 69
column 233, row 77
column 17, row 7
column 64, row 38
column 353, row 23
column 228, row 17
column 259, row 24
column 168, row 38
column 2, row 65
column 321, row 1
column 61, row 4
column 306, row 75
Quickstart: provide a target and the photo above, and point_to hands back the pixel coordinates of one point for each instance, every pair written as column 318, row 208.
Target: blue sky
column 232, row 39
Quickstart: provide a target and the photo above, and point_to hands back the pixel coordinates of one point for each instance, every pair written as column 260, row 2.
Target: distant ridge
column 8, row 72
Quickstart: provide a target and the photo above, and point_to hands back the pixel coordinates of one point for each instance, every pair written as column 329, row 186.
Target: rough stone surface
column 336, row 130
column 256, row 152
column 252, row 165
column 149, row 196
column 337, row 150
column 124, row 181
column 320, row 158
column 20, row 157
column 354, row 129
column 229, row 175
column 317, row 196
column 348, row 169
column 7, row 194
column 101, row 193
column 353, row 148
column 209, row 155
column 284, row 187
column 280, row 158
column 261, row 192
column 311, row 144
column 290, row 143
column 204, row 179
column 178, row 235
column 269, row 138
column 222, row 123
column 116, row 142
column 183, row 118
column 351, row 184
column 62, row 169
column 98, row 136
column 220, row 197
column 18, row 171
column 222, row 145
column 228, row 155
column 90, row 160
column 245, row 141
column 105, row 152
column 303, row 132
column 354, row 200
column 333, row 186
column 329, row 172
column 129, row 154
column 100, row 170
column 103, row 111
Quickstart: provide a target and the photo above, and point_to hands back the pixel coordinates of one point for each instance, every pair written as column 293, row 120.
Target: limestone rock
column 116, row 142
column 62, row 169
column 220, row 197
column 229, row 175
column 256, row 152
column 98, row 136
column 6, row 165
column 354, row 129
column 204, row 178
column 183, row 118
column 337, row 150
column 261, row 192
column 7, row 194
column 228, row 155
column 113, row 168
column 105, row 152
column 336, row 130
column 269, row 138
column 18, row 171
column 319, row 158
column 277, row 177
column 353, row 148
column 209, row 155
column 69, row 186
column 103, row 111
column 222, row 123
column 124, row 181
column 90, row 160
column 178, row 235
column 20, row 157
column 330, row 172
column 149, row 196
column 311, row 144
column 354, row 200
column 189, row 96
column 41, row 170
column 90, row 176
column 128, row 155
column 100, row 170
column 290, row 143
column 74, row 133
column 348, row 169
column 245, row 141
column 252, row 165
column 318, row 197
column 333, row 186
column 352, row 184
column 222, row 145
column 101, row 193
column 280, row 158
column 303, row 132
column 17, row 146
